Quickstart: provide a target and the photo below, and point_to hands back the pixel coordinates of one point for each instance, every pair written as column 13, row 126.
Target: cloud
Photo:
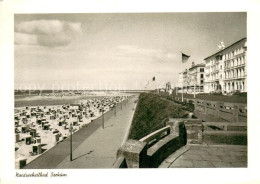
column 26, row 39
column 50, row 33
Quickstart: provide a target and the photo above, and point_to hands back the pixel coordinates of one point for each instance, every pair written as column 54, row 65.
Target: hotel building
column 225, row 70
column 192, row 80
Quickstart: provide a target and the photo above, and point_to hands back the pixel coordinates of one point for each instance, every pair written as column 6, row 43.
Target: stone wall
column 218, row 111
column 152, row 150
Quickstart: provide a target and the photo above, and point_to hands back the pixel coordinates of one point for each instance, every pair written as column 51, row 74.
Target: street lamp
column 103, row 121
column 194, row 80
column 115, row 108
column 71, row 128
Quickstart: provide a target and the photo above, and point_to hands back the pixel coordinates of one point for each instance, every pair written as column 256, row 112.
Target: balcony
column 239, row 55
column 218, row 57
column 239, row 66
column 233, row 78
column 234, row 67
column 236, row 56
column 215, row 71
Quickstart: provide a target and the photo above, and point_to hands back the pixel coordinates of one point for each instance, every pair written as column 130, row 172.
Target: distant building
column 169, row 88
column 192, row 80
column 225, row 70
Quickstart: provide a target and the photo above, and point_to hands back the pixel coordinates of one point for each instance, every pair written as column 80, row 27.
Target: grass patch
column 151, row 114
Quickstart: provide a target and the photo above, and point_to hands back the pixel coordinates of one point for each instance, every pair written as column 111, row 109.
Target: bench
column 161, row 144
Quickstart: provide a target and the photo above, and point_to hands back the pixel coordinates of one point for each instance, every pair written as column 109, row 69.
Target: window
column 201, row 69
column 242, row 60
column 201, row 76
column 201, row 81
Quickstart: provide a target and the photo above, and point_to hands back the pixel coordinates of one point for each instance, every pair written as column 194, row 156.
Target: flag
column 153, row 78
column 184, row 58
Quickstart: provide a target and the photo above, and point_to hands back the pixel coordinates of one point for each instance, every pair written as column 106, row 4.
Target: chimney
column 193, row 64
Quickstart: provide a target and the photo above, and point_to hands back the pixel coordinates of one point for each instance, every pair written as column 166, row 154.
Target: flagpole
column 194, row 86
column 157, row 84
column 182, row 80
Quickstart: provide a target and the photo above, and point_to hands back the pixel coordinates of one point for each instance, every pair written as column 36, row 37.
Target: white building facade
column 225, row 70
column 192, row 80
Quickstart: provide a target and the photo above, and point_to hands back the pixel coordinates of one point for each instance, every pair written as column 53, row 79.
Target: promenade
column 93, row 146
column 207, row 156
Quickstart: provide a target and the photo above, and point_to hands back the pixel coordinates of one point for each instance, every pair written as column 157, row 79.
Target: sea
column 46, row 97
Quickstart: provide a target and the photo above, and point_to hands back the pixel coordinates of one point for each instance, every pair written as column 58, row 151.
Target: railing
column 156, row 136
column 218, row 111
column 187, row 100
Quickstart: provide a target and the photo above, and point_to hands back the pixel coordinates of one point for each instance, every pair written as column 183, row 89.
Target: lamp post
column 115, row 108
column 103, row 121
column 194, row 82
column 71, row 128
column 194, row 79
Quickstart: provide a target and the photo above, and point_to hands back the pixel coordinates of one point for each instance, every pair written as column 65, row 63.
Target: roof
column 226, row 48
column 198, row 65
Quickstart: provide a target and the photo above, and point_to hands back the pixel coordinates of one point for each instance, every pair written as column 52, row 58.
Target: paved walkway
column 207, row 156
column 93, row 146
column 99, row 150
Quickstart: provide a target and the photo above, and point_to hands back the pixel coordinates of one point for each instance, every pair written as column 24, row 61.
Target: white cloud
column 25, row 39
column 50, row 33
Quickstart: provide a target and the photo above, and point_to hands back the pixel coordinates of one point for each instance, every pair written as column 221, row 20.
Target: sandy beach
column 39, row 128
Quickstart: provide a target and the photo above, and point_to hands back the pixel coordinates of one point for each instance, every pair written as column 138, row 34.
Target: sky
column 121, row 51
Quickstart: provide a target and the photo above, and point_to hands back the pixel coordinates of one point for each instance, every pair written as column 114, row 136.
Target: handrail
column 156, row 135
column 224, row 123
column 218, row 111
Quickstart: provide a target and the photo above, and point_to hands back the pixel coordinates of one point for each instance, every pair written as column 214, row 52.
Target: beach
column 40, row 127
